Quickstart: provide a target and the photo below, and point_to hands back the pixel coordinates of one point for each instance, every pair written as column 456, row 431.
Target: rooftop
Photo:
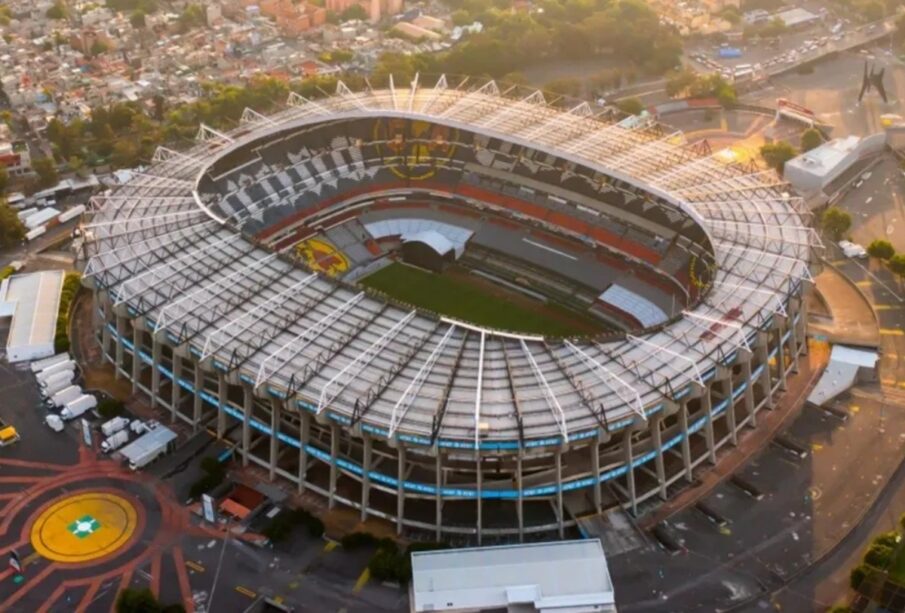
column 567, row 575
column 33, row 301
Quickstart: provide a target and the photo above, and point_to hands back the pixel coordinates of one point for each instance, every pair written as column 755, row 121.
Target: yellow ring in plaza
column 84, row 527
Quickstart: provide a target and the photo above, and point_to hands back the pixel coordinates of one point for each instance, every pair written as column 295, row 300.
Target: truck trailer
column 64, row 396
column 39, row 365
column 57, row 383
column 114, row 425
column 147, row 448
column 47, row 373
column 115, row 441
column 78, row 407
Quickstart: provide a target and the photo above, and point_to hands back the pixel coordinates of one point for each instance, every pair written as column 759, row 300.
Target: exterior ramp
column 846, row 365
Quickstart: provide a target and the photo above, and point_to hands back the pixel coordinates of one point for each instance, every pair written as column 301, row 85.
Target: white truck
column 44, row 375
column 57, row 383
column 114, row 425
column 64, row 396
column 78, row 407
column 115, row 441
column 39, row 365
column 54, row 422
column 138, row 427
column 148, row 447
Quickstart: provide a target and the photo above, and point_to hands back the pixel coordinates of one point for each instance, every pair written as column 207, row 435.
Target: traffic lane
column 876, row 205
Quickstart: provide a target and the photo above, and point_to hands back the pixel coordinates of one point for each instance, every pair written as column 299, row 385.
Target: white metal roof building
column 398, row 405
column 33, row 302
column 568, row 576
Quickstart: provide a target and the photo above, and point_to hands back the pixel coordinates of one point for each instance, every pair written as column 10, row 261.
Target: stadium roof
column 169, row 258
column 565, row 575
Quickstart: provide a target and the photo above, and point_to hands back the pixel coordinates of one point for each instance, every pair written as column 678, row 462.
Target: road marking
column 330, row 546
column 892, row 332
column 194, row 566
column 864, row 283
column 30, row 558
column 245, row 591
column 363, row 578
column 886, row 307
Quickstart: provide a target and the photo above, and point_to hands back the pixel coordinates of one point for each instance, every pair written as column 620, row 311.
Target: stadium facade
column 439, row 425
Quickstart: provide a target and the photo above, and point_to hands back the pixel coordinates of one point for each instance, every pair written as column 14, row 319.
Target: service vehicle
column 115, row 441
column 114, row 425
column 78, row 407
column 64, row 396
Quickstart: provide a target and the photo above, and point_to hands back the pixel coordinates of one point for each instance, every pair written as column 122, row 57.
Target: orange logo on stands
column 414, row 149
column 321, row 256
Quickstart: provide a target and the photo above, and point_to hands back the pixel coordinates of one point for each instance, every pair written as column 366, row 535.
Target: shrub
column 878, row 555
column 836, row 222
column 71, row 285
column 857, row 576
column 889, row 539
column 881, row 249
column 897, row 264
column 214, row 474
column 281, row 526
column 6, row 271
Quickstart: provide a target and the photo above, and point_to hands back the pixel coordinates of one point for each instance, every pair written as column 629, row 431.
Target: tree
column 97, row 48
column 137, row 601
column 11, row 229
column 4, row 179
column 46, row 169
column 881, row 249
column 356, row 11
column 810, row 139
column 630, row 106
column 777, row 154
column 857, row 576
column 897, row 264
column 137, row 19
column 878, row 555
column 76, row 165
column 57, row 11
column 836, row 222
column 108, row 408
column 566, row 86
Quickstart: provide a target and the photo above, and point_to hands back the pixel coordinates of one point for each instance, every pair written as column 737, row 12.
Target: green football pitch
column 461, row 295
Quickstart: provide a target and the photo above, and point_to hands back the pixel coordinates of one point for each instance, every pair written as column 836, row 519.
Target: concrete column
column 763, row 356
column 781, row 354
column 707, row 405
column 136, row 358
column 334, row 452
column 155, row 371
column 658, row 460
column 196, row 401
column 120, row 348
column 793, row 343
column 595, row 468
column 304, row 439
column 749, row 391
column 221, row 404
column 520, row 502
column 106, row 337
column 275, row 410
column 176, row 391
column 480, row 501
column 727, row 390
column 400, row 491
column 438, row 477
column 628, row 457
column 365, row 476
column 686, row 440
column 802, row 329
column 559, row 505
column 248, row 401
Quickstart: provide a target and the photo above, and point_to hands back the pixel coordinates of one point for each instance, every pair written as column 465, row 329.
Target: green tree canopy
column 631, row 106
column 881, row 249
column 810, row 139
column 356, row 11
column 11, row 229
column 46, row 169
column 57, row 11
column 777, row 154
column 836, row 222
column 137, row 19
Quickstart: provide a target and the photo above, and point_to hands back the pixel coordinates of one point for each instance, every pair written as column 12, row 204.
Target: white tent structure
column 33, row 302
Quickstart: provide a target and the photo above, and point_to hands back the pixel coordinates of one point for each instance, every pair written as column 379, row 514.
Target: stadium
column 479, row 314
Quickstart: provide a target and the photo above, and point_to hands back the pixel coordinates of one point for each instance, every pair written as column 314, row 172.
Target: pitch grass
column 478, row 301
